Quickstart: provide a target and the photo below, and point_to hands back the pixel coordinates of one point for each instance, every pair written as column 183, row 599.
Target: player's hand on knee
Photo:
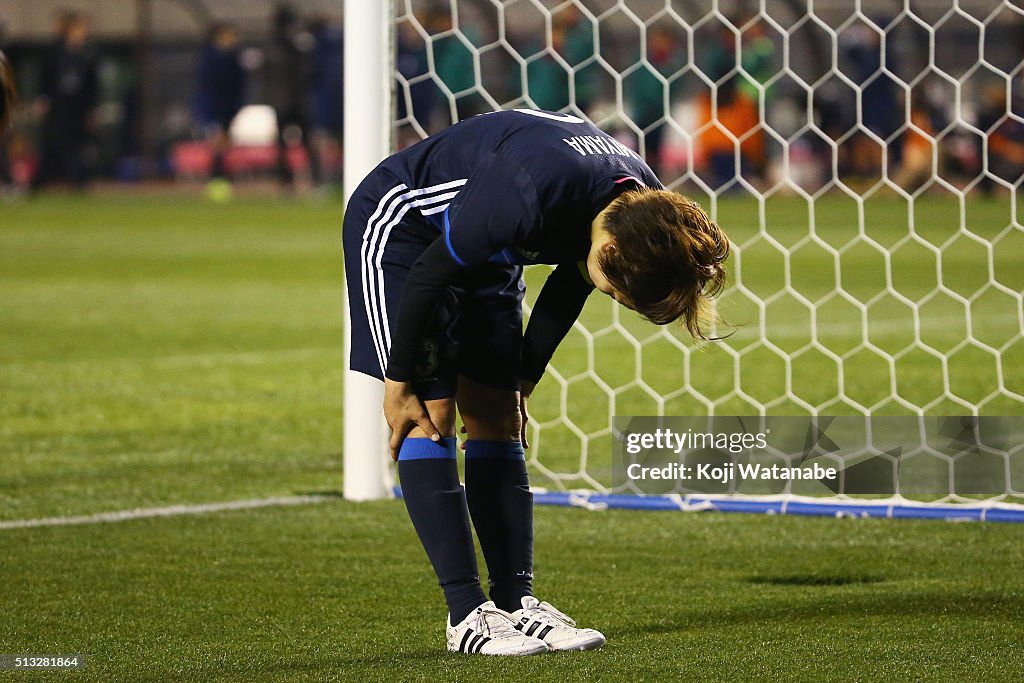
column 404, row 411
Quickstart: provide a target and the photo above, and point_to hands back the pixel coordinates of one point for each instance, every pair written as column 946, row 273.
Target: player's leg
column 497, row 483
column 498, row 491
column 376, row 267
column 376, row 271
column 437, row 505
column 436, row 502
column 497, row 486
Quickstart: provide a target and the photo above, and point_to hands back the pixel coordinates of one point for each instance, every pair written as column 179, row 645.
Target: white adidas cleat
column 491, row 631
column 541, row 620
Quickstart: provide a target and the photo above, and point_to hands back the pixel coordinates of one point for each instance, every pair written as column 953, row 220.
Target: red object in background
column 251, row 159
column 23, row 161
column 195, row 159
column 192, row 159
column 23, row 170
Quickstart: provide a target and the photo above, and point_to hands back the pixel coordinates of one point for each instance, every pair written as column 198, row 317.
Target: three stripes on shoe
column 473, row 645
column 472, row 641
column 531, row 628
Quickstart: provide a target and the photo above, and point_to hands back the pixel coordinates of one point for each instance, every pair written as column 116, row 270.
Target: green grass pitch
column 157, row 352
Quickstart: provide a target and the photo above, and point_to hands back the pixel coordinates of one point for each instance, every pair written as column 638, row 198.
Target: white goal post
column 369, row 61
column 865, row 158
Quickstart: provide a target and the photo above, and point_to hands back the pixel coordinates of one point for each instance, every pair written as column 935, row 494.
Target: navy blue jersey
column 487, row 195
column 518, row 186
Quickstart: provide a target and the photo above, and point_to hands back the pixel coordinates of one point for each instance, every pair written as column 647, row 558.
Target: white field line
column 169, row 511
column 191, row 359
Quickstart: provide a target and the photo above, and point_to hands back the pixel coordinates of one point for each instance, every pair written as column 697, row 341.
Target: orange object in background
column 919, row 139
column 736, row 119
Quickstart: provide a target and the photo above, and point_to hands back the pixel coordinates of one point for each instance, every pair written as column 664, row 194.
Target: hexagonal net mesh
column 865, row 159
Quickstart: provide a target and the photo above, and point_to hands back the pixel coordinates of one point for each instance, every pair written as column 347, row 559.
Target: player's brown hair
column 6, row 93
column 668, row 258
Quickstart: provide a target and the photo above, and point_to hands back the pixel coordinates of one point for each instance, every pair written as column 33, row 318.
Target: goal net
column 865, row 159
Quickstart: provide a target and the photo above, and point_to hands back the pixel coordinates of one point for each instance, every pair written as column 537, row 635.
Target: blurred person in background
column 328, row 87
column 546, row 78
column 918, row 146
column 7, row 99
column 735, row 106
column 6, row 115
column 411, row 62
column 287, row 83
column 646, row 91
column 69, row 91
column 577, row 47
column 6, row 95
column 1005, row 136
column 732, row 107
column 757, row 52
column 453, row 62
column 59, row 25
column 219, row 98
column 878, row 103
column 549, row 77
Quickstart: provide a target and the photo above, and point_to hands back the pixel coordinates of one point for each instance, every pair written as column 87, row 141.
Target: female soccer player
column 435, row 241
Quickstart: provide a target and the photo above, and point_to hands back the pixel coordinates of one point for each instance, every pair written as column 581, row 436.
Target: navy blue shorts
column 477, row 328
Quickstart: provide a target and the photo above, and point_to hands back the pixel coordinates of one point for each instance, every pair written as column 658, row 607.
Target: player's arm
column 430, row 275
column 558, row 306
column 434, row 271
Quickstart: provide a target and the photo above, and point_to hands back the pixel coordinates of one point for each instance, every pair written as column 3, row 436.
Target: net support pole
column 368, row 95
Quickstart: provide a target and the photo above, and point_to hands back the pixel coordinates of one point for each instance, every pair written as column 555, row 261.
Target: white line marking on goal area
column 169, row 511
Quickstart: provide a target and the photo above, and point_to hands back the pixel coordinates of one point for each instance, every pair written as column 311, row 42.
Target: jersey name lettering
column 595, row 144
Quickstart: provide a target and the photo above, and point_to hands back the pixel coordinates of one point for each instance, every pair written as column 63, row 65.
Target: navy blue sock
column 436, row 502
column 498, row 492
